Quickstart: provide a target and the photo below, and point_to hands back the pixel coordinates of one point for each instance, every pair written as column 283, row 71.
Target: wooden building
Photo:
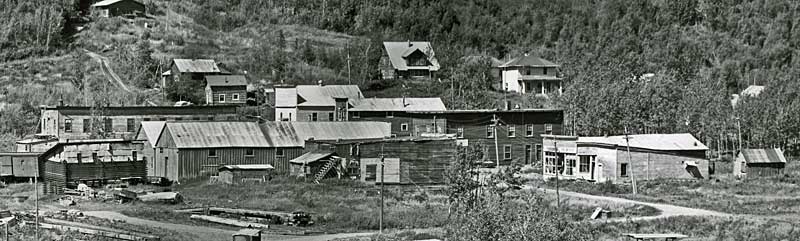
column 80, row 122
column 38, row 143
column 314, row 162
column 226, row 90
column 606, row 158
column 529, row 74
column 759, row 163
column 395, row 111
column 409, row 59
column 92, row 161
column 237, row 174
column 191, row 70
column 510, row 135
column 114, row 8
column 314, row 102
column 19, row 166
column 406, row 160
column 148, row 135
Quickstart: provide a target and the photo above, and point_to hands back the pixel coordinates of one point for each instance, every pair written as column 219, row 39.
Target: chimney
column 404, row 101
column 409, row 43
column 320, row 83
column 507, row 105
column 61, row 101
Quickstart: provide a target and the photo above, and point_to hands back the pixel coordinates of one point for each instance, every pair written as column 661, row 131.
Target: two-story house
column 530, row 74
column 314, row 102
column 190, row 69
column 396, row 111
column 226, row 90
column 410, row 59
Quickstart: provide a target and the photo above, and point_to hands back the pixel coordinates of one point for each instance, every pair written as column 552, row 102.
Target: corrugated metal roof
column 322, row 95
column 281, row 134
column 763, row 156
column 753, row 90
column 226, row 80
column 342, row 130
column 665, row 142
column 311, row 157
column 152, row 130
column 216, row 134
column 398, row 104
column 106, row 3
column 247, row 167
column 196, row 65
column 530, row 61
column 397, row 51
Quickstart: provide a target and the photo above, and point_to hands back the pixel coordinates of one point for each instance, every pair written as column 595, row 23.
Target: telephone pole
column 558, row 170
column 380, row 223
column 630, row 160
column 496, row 146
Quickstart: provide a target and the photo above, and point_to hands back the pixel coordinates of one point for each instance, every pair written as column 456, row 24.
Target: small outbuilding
column 321, row 164
column 234, row 174
column 247, row 235
column 759, row 163
column 113, row 8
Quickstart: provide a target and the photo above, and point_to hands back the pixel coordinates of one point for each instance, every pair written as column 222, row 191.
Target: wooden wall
column 228, row 91
column 420, row 162
column 195, row 162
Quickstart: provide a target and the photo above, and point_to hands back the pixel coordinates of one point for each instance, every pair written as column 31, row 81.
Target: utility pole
column 36, row 195
column 380, row 223
column 496, row 146
column 630, row 160
column 558, row 170
column 739, row 129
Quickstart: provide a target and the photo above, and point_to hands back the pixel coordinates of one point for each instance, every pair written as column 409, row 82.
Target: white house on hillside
column 530, row 74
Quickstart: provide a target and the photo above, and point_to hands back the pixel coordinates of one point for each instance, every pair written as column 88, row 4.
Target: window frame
column 511, row 131
column 489, row 131
column 108, row 124
column 371, row 169
column 584, row 162
column 330, row 116
column 68, row 125
column 87, row 125
column 356, row 115
column 507, row 152
column 212, row 152
column 623, row 169
column 404, row 127
column 221, row 98
column 249, row 152
column 279, row 152
column 390, row 114
column 130, row 125
column 314, row 116
column 235, row 97
column 529, row 130
column 548, row 129
column 460, row 132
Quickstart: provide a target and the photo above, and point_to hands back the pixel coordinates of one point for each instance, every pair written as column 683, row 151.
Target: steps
column 324, row 170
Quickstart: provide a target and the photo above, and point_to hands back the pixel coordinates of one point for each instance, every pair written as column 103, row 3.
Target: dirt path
column 201, row 233
column 667, row 210
column 110, row 74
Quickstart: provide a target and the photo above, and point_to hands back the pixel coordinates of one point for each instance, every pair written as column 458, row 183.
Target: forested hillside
column 701, row 52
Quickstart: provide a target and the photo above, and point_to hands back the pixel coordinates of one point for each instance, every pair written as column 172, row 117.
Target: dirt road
column 110, row 74
column 202, row 233
column 667, row 210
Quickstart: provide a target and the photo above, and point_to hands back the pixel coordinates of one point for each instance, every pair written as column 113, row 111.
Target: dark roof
column 398, row 104
column 226, row 80
column 147, row 110
column 529, row 61
column 490, row 111
column 398, row 51
column 294, row 134
column 216, row 134
column 763, row 156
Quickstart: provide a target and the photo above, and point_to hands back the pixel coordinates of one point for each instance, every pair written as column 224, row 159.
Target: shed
column 312, row 163
column 113, row 8
column 93, row 161
column 233, row 174
column 759, row 163
column 247, row 235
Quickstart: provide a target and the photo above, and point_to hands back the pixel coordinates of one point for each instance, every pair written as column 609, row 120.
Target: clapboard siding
column 195, row 162
column 420, row 162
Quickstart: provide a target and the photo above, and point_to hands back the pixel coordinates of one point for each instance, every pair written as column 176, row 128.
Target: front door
column 528, row 150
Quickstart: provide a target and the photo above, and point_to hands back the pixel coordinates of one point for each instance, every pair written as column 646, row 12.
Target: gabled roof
column 226, row 80
column 152, row 130
column 105, row 3
column 215, row 134
column 310, row 157
column 763, row 155
column 529, row 61
column 398, row 104
column 294, row 134
column 398, row 51
column 196, row 65
column 322, row 95
column 661, row 142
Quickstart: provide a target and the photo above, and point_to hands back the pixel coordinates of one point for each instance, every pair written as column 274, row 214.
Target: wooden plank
column 49, row 223
column 231, row 222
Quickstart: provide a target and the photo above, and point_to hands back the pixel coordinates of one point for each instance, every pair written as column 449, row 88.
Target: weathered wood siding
column 420, row 162
column 649, row 165
column 386, row 68
column 416, row 125
column 18, row 165
column 304, row 113
column 214, row 91
column 195, row 162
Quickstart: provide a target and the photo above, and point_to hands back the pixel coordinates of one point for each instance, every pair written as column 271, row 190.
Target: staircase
column 324, row 170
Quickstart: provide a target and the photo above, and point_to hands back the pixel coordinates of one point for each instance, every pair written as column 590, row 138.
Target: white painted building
column 530, row 75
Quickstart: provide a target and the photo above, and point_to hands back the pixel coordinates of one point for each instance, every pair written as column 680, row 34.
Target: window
column 371, row 173
column 528, row 153
column 570, row 164
column 512, row 131
column 87, row 125
column 196, row 118
column 584, row 163
column 249, row 152
column 744, row 167
column 178, row 119
column 489, row 131
column 145, row 119
column 160, row 150
column 460, row 132
column 390, row 114
column 330, row 116
column 212, row 152
column 211, row 117
column 131, row 125
column 234, row 96
column 107, row 125
column 623, row 169
column 529, row 130
column 550, row 163
column 279, row 152
column 548, row 129
column 507, row 152
column 281, row 117
column 79, row 157
column 544, row 71
column 68, row 125
column 356, row 115
column 404, row 127
column 314, row 116
column 134, row 155
column 221, row 98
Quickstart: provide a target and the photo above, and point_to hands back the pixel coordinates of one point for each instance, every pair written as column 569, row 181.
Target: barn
column 759, row 163
column 93, row 161
column 114, row 8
